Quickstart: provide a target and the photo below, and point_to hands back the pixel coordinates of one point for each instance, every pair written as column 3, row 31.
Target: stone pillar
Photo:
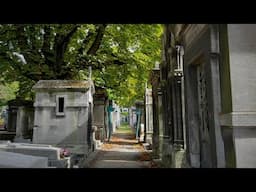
column 21, row 118
column 148, row 116
column 118, row 117
column 167, row 135
column 25, row 122
column 114, row 116
column 140, row 120
column 94, row 139
column 177, row 85
column 12, row 116
column 132, row 117
column 99, row 114
column 155, row 78
column 21, row 122
column 98, row 119
column 105, row 133
column 160, row 122
column 238, row 94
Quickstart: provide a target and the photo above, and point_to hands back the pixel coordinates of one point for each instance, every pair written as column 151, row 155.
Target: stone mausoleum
column 63, row 114
column 100, row 117
column 207, row 91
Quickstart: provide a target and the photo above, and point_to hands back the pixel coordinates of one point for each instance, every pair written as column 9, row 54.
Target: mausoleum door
column 89, row 133
column 204, row 137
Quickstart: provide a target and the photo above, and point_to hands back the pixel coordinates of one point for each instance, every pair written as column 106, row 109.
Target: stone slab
column 52, row 153
column 16, row 160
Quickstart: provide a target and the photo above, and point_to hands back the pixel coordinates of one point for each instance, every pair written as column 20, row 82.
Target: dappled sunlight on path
column 123, row 151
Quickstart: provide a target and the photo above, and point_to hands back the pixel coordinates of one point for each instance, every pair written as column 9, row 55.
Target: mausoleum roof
column 63, row 84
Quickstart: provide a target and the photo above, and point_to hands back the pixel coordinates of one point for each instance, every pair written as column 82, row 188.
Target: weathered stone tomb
column 63, row 114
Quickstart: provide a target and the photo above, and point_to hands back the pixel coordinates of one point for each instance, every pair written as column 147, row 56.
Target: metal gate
column 205, row 149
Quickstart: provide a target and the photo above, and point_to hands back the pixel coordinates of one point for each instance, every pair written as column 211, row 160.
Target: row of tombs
column 65, row 123
column 199, row 112
column 199, row 108
column 203, row 92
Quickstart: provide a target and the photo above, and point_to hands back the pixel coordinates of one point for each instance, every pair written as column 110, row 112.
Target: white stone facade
column 66, row 126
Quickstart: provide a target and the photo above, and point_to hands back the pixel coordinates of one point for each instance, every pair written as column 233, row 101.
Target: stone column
column 130, row 117
column 105, row 133
column 140, row 120
column 160, row 122
column 99, row 114
column 98, row 119
column 177, row 85
column 149, row 116
column 21, row 118
column 21, row 122
column 118, row 114
column 114, row 117
column 155, row 78
column 238, row 94
column 12, row 116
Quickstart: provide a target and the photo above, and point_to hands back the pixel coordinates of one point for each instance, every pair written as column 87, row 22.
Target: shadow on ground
column 123, row 151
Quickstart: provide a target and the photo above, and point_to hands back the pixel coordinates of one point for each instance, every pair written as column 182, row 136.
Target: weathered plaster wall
column 68, row 129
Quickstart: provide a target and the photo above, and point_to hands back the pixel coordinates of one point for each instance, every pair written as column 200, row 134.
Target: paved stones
column 123, row 151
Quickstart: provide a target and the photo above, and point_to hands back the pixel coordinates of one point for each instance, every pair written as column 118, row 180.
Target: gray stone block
column 52, row 153
column 21, row 140
column 5, row 141
column 63, row 163
column 15, row 160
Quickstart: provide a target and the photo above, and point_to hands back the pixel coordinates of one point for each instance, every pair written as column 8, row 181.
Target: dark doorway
column 203, row 111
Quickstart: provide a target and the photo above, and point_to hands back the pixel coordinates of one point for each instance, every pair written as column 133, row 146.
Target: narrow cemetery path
column 123, row 151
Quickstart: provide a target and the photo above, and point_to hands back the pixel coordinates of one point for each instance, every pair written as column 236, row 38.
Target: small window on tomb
column 60, row 105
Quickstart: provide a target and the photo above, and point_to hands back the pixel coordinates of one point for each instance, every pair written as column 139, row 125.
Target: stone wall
column 52, row 129
column 219, row 94
column 70, row 128
column 192, row 134
column 99, row 113
column 148, row 116
column 238, row 92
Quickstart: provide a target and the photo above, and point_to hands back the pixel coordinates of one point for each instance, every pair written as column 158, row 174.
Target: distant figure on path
column 110, row 109
column 4, row 116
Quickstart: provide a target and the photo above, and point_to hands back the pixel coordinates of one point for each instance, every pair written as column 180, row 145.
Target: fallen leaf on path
column 145, row 157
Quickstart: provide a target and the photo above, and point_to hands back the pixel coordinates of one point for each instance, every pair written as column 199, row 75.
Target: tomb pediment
column 63, row 84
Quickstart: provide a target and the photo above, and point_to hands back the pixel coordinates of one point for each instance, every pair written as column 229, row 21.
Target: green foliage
column 125, row 113
column 8, row 92
column 125, row 128
column 121, row 55
column 139, row 47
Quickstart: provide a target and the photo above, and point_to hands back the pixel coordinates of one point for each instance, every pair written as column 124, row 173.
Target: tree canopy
column 7, row 92
column 121, row 55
